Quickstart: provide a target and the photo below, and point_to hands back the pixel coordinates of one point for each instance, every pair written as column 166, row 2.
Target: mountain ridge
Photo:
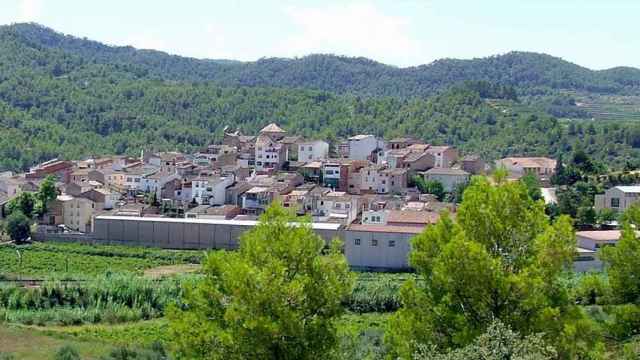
column 531, row 73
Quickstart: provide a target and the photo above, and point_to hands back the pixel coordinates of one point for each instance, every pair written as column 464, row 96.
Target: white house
column 313, row 150
column 210, row 189
column 362, row 146
column 270, row 154
column 336, row 205
column 154, row 183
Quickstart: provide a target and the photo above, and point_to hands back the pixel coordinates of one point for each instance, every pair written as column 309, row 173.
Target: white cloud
column 29, row 10
column 356, row 29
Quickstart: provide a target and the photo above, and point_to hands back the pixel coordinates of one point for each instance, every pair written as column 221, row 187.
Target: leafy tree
column 24, row 203
column 432, row 187
column 623, row 260
column 497, row 343
column 18, row 226
column 277, row 297
column 502, row 260
column 533, row 186
column 604, row 216
column 46, row 193
column 586, row 216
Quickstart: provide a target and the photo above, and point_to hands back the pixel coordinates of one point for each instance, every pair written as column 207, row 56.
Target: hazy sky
column 593, row 33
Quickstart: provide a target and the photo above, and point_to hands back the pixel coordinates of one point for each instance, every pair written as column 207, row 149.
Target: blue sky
column 594, row 33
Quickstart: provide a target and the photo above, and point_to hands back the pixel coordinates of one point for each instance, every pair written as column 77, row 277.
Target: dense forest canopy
column 69, row 97
column 529, row 72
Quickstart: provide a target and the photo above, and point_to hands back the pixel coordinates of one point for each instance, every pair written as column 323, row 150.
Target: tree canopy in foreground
column 278, row 297
column 500, row 260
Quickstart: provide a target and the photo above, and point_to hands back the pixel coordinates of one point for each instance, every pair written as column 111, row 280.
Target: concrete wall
column 193, row 235
column 366, row 255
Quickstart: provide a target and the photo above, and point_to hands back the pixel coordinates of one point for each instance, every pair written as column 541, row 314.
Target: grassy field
column 75, row 261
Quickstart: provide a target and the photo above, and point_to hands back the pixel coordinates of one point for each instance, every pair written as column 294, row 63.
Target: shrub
column 625, row 321
column 67, row 352
column 592, row 289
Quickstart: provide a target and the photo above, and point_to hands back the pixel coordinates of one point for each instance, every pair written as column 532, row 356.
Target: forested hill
column 529, row 73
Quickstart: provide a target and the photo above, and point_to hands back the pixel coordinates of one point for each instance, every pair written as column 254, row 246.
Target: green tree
column 605, row 216
column 277, row 297
column 623, row 260
column 24, row 203
column 500, row 259
column 497, row 343
column 432, row 187
column 586, row 216
column 533, row 186
column 18, row 226
column 46, row 193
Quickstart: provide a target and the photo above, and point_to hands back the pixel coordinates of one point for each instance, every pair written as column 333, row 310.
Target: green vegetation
column 500, row 259
column 277, row 297
column 532, row 73
column 76, row 261
column 69, row 98
column 18, row 226
column 109, row 299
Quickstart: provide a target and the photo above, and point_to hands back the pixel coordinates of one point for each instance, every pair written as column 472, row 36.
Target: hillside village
column 360, row 188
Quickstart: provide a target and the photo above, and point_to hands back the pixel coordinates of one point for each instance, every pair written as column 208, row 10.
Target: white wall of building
column 313, row 150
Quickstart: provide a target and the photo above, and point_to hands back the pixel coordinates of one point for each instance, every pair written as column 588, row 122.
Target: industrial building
column 366, row 246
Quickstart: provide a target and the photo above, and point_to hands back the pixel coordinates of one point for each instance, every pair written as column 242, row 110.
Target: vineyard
column 102, row 298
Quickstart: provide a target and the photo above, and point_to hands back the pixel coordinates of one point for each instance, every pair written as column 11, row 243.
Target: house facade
column 449, row 178
column 313, row 150
column 618, row 198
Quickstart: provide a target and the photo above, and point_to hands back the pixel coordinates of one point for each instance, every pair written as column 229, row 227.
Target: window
column 392, row 243
column 357, row 242
column 310, row 148
column 384, row 182
column 338, row 205
column 374, row 242
column 615, row 202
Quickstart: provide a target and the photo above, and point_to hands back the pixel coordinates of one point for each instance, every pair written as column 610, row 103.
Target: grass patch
column 78, row 261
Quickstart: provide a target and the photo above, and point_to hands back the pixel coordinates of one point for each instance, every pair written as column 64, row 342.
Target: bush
column 378, row 293
column 625, row 321
column 156, row 352
column 109, row 299
column 18, row 227
column 67, row 352
column 592, row 289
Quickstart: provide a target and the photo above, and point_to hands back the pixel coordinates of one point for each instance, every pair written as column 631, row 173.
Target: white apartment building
column 361, row 146
column 270, row 154
column 210, row 189
column 313, row 150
